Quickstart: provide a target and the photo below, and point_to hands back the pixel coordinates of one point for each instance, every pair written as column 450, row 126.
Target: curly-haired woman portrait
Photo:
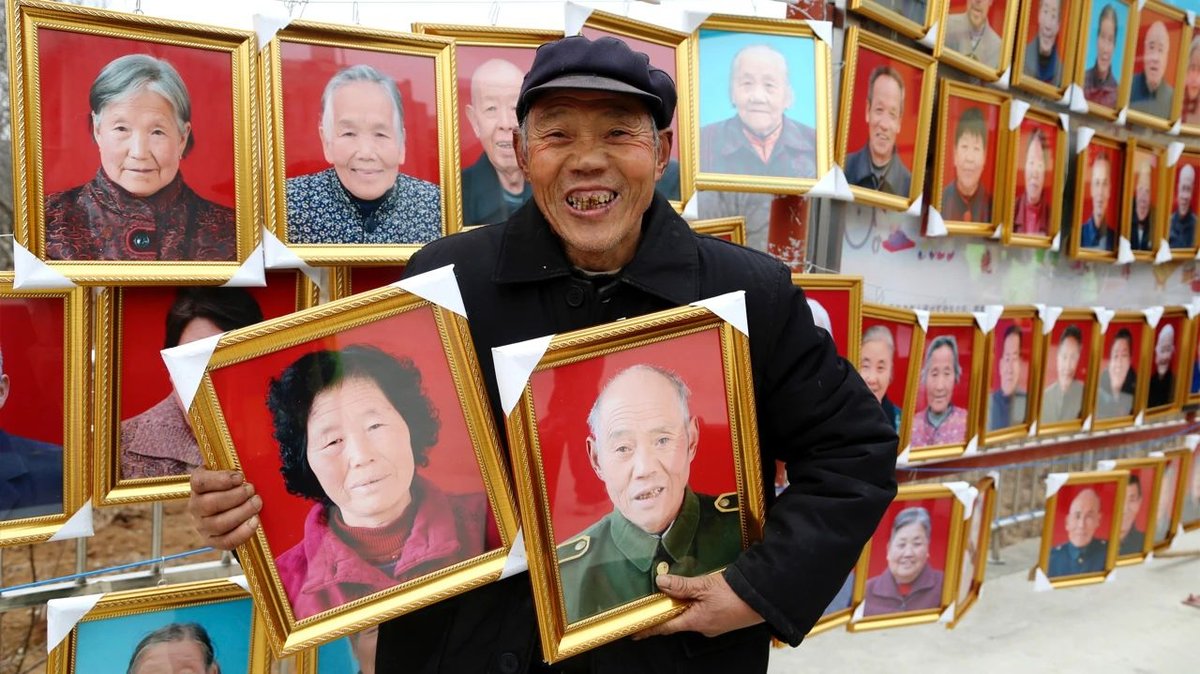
column 354, row 428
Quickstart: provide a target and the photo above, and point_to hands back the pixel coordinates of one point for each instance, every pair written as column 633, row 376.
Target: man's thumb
column 679, row 587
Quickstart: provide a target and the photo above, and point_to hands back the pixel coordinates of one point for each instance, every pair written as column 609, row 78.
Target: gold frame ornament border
column 26, row 17
column 440, row 50
column 969, row 65
column 1001, row 158
column 1160, row 217
column 1149, row 501
column 856, row 38
column 1032, row 389
column 1057, row 165
column 733, row 227
column 1190, row 252
column 1141, row 363
column 1185, row 466
column 288, row 635
column 1189, row 525
column 853, row 286
column 1192, row 352
column 1130, row 50
column 1182, row 351
column 1090, row 369
column 108, row 489
column 916, row 352
column 950, row 571
column 1121, row 478
column 987, row 490
column 1112, row 144
column 974, row 391
column 897, row 21
column 76, row 398
column 1067, row 57
column 1179, row 82
column 62, row 659
column 822, row 104
column 559, row 639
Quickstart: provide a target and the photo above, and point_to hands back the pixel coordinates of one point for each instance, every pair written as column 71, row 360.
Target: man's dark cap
column 605, row 64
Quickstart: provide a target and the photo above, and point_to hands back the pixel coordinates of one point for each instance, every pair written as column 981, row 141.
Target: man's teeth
column 650, row 493
column 587, row 203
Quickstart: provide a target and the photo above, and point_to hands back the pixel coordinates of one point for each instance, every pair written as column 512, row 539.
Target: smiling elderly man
column 1149, row 93
column 1082, row 552
column 594, row 245
column 494, row 187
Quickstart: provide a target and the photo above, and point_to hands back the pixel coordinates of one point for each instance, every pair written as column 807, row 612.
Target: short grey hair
column 361, row 73
column 173, row 632
column 683, row 393
column 915, row 514
column 880, row 333
column 127, row 75
column 937, row 343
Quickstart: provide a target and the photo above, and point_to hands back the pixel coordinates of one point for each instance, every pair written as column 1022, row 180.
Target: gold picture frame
column 1158, row 195
column 817, row 285
column 1189, row 158
column 1054, row 504
column 76, row 452
column 777, row 29
column 347, row 281
column 998, row 338
column 222, row 609
column 1173, row 75
column 675, row 338
column 315, row 36
column 1170, row 495
column 1066, row 56
column 1177, row 317
column 1129, row 30
column 947, row 324
column 970, row 584
column 1055, row 168
column 908, row 318
column 1149, row 500
column 731, row 229
column 1192, row 352
column 1092, row 343
column 1140, row 361
column 856, row 39
column 967, row 63
column 26, row 21
column 1000, row 158
column 315, row 660
column 1189, row 517
column 905, row 23
column 1112, row 147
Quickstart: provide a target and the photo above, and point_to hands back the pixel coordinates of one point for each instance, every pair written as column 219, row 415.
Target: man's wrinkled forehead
column 561, row 104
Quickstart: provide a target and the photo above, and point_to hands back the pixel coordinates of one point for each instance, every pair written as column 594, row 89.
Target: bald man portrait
column 494, row 187
column 1082, row 552
column 1150, row 93
column 1182, row 232
column 642, row 439
column 31, row 471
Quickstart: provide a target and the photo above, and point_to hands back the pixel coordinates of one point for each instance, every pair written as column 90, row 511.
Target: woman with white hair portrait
column 940, row 421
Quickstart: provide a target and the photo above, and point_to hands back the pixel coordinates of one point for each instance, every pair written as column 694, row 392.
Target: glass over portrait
column 1147, row 211
column 943, row 414
column 1008, row 400
column 1100, row 198
column 1163, row 389
column 971, row 136
column 975, row 32
column 1170, row 503
column 1082, row 519
column 1181, row 225
column 1117, row 393
column 1106, row 55
column 1158, row 46
column 1068, row 355
column 1045, row 46
column 1038, row 158
column 890, row 353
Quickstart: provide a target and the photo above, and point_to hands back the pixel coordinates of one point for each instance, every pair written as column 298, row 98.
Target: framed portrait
column 971, row 155
column 1190, row 516
column 347, row 281
column 1148, row 212
column 1014, row 349
column 144, row 444
column 1168, row 364
column 889, row 361
column 169, row 194
column 1171, row 493
column 206, row 626
column 1036, row 177
column 950, row 381
column 1181, row 224
column 329, row 89
column 1189, row 114
column 731, row 229
column 976, row 539
column 687, row 369
column 44, row 409
column 836, row 304
column 1083, row 517
column 1101, row 174
column 889, row 126
column 1071, row 351
column 345, row 655
column 976, row 36
column 375, row 421
column 1124, row 361
column 911, row 18
column 1141, row 502
column 1159, row 69
column 1046, row 45
column 917, row 544
column 1105, row 62
column 778, row 93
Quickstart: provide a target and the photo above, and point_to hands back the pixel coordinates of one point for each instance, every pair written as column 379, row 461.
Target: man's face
column 1120, row 359
column 1048, row 23
column 1106, row 41
column 1164, row 349
column 1035, row 173
column 969, row 155
column 492, row 112
column 592, row 163
column 1101, row 187
column 1067, row 361
column 939, row 379
column 1183, row 195
column 1083, row 518
column 875, row 366
column 645, row 449
column 885, row 112
column 361, row 140
column 760, row 89
column 1133, row 505
column 977, row 12
column 1141, row 195
column 1010, row 364
column 1154, row 54
column 1192, row 85
column 908, row 552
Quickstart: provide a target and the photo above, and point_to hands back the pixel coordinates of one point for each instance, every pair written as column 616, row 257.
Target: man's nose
column 590, row 155
column 508, row 119
column 644, row 464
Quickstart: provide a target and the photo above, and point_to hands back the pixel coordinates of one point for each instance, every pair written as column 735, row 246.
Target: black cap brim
column 589, row 82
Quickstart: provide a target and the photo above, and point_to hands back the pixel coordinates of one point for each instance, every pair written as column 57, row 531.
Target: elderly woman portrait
column 908, row 583
column 1031, row 215
column 138, row 206
column 177, row 648
column 1191, row 86
column 353, row 427
column 876, row 356
column 940, row 421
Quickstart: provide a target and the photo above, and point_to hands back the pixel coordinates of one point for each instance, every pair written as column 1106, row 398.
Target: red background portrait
column 965, row 336
column 940, row 512
column 1146, row 482
column 1177, row 324
column 1050, row 370
column 902, row 335
column 1064, row 27
column 1146, row 17
column 69, row 62
column 1167, row 490
column 1135, row 328
column 467, row 59
column 906, row 140
column 1185, row 159
column 32, row 341
column 563, row 397
column 837, row 303
column 1107, row 491
column 363, row 279
column 1050, row 154
column 955, row 107
column 243, row 387
column 1027, row 337
column 307, row 69
column 995, row 13
column 1116, row 155
column 142, row 377
column 1141, row 156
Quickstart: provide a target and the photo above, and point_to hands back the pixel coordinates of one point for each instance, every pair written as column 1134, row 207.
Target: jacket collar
column 666, row 263
column 640, row 547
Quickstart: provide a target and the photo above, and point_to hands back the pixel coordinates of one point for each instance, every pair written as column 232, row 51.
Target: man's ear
column 3, row 390
column 590, row 444
column 693, row 431
column 665, row 139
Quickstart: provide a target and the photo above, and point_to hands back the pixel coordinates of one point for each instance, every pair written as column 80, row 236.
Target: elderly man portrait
column 642, row 440
column 909, row 583
column 877, row 164
column 876, row 358
column 1042, row 60
column 1191, row 85
column 966, row 198
column 363, row 197
column 970, row 34
column 1031, row 214
column 1096, row 232
column 1182, row 230
column 940, row 421
column 1007, row 403
column 1118, row 381
column 596, row 244
column 494, row 187
column 1133, row 539
column 31, row 471
column 1162, row 377
column 1141, row 226
column 1082, row 552
column 1099, row 82
column 1062, row 400
column 1149, row 93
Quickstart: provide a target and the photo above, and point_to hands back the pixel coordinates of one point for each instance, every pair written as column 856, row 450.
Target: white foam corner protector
column 1124, row 251
column 689, row 20
column 858, row 612
column 1141, row 4
column 1191, row 17
column 1049, row 316
column 998, row 232
column 1032, row 430
column 1016, row 112
column 691, row 210
column 240, row 581
column 832, row 185
column 930, row 39
column 972, row 446
column 947, row 616
column 1064, row 120
column 514, row 363
column 1056, row 242
column 1176, row 128
column 922, row 319
column 1120, row 120
column 1087, row 424
column 1083, row 138
column 1040, row 582
column 78, row 525
column 1156, row 453
column 1191, row 440
column 1174, row 152
column 252, row 273
column 1111, row 576
column 439, row 286
column 1005, row 80
column 1153, row 315
column 1164, row 252
column 731, row 307
column 1140, row 420
column 1079, row 102
column 1106, row 465
column 964, row 492
column 987, row 319
column 186, row 363
column 936, row 226
column 903, row 458
column 266, row 25
column 516, row 561
column 30, row 273
column 574, row 16
column 1103, row 315
column 916, row 206
column 822, row 29
column 1193, row 307
column 63, row 614
column 1054, row 482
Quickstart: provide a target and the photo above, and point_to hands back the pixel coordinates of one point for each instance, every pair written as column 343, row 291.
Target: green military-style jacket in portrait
column 614, row 562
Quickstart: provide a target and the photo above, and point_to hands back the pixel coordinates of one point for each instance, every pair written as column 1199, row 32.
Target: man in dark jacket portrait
column 494, row 186
column 594, row 245
column 31, row 471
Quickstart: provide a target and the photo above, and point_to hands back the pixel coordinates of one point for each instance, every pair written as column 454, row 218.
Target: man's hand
column 223, row 507
column 713, row 607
